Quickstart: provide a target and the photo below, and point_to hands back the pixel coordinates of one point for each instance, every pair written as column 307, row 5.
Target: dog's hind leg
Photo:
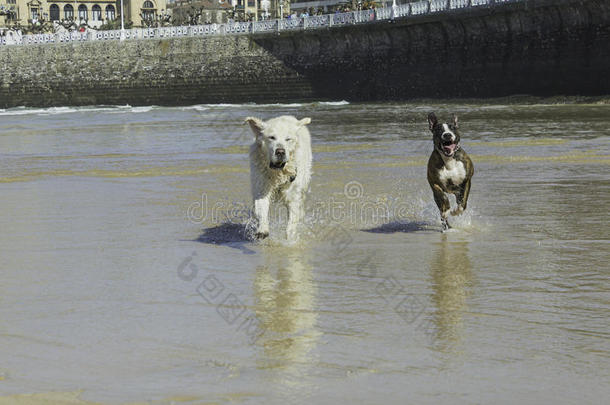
column 442, row 202
column 261, row 212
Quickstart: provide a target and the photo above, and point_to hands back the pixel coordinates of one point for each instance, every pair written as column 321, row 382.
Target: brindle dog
column 449, row 168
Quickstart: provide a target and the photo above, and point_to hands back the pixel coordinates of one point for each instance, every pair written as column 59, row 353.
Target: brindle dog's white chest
column 452, row 174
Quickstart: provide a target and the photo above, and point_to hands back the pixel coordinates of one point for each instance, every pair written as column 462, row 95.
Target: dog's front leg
column 261, row 212
column 295, row 213
column 462, row 199
column 442, row 202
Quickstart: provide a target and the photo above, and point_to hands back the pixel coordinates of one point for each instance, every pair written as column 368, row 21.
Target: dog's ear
column 304, row 121
column 455, row 121
column 256, row 125
column 432, row 120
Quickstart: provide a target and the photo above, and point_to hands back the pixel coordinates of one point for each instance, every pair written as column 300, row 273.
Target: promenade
column 268, row 26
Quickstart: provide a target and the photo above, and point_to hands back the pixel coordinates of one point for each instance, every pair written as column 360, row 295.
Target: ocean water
column 128, row 275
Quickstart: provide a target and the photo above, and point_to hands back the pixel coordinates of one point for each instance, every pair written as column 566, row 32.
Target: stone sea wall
column 535, row 47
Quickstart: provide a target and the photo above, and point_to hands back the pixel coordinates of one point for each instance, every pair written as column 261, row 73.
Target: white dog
column 280, row 169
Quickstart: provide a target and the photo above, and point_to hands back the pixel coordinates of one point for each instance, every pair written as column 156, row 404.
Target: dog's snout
column 447, row 136
column 280, row 152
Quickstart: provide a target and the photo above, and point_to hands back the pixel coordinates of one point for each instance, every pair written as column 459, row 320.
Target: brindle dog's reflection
column 285, row 305
column 452, row 278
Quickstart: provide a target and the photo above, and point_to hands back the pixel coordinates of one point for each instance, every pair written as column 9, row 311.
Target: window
column 68, row 12
column 110, row 13
column 148, row 11
column 34, row 14
column 251, row 3
column 54, row 12
column 82, row 12
column 96, row 13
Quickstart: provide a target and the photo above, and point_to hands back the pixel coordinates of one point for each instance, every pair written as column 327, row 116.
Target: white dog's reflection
column 285, row 305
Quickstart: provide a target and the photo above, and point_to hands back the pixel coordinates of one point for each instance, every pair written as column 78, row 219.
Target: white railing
column 315, row 21
column 421, row 7
column 383, row 13
column 459, row 3
column 240, row 28
column 264, row 26
column 438, row 5
column 403, row 10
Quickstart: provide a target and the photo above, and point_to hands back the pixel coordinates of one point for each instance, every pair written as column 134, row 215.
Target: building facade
column 268, row 9
column 217, row 11
column 326, row 5
column 142, row 12
column 92, row 12
column 195, row 12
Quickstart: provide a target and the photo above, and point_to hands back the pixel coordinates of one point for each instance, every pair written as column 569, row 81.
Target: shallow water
column 127, row 275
